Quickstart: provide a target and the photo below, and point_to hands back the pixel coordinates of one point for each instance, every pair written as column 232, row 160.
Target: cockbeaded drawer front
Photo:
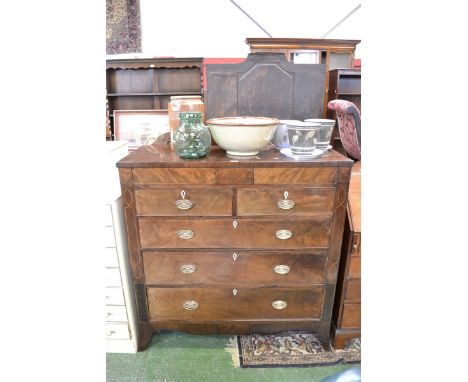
column 212, row 304
column 233, row 267
column 184, row 202
column 285, row 201
column 230, row 233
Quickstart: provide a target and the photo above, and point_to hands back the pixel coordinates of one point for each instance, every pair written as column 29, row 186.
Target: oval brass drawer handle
column 183, row 204
column 285, row 204
column 282, row 269
column 279, row 304
column 190, row 305
column 188, row 268
column 185, row 234
column 283, row 234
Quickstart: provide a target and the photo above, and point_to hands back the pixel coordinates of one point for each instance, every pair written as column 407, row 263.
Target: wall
column 216, row 28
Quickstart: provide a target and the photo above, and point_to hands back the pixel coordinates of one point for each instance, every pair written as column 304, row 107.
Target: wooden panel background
column 267, row 85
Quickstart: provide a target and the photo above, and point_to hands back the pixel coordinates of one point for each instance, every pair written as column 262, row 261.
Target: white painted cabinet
column 120, row 314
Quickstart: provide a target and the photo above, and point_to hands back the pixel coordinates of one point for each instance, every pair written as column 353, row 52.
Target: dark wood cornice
column 148, row 63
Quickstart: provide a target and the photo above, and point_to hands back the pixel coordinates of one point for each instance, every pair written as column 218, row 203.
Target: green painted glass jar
column 192, row 139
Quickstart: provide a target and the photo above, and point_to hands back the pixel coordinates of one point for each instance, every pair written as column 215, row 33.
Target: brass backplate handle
column 188, row 268
column 282, row 269
column 190, row 305
column 283, row 234
column 285, row 204
column 279, row 304
column 185, row 234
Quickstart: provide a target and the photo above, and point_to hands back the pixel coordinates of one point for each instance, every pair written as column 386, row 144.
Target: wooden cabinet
column 347, row 309
column 214, row 247
column 343, row 84
column 332, row 53
column 148, row 84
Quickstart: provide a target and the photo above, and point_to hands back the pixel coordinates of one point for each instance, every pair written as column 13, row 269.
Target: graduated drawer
column 230, row 233
column 351, row 316
column 116, row 313
column 229, row 267
column 114, row 296
column 285, row 201
column 117, row 332
column 213, row 304
column 353, row 290
column 173, row 202
column 354, row 270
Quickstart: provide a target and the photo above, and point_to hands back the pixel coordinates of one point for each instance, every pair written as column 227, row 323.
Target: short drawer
column 114, row 296
column 285, row 201
column 174, row 176
column 113, row 277
column 211, row 304
column 303, row 175
column 184, row 202
column 117, row 332
column 353, row 290
column 116, row 313
column 354, row 267
column 229, row 267
column 351, row 316
column 109, row 237
column 111, row 259
column 241, row 233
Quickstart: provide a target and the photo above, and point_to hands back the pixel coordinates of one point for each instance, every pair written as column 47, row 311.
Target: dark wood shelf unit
column 344, row 84
column 147, row 84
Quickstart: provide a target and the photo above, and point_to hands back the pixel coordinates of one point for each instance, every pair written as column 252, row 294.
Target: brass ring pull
column 185, row 234
column 282, row 269
column 285, row 204
column 190, row 305
column 188, row 268
column 279, row 304
column 183, row 204
column 283, row 234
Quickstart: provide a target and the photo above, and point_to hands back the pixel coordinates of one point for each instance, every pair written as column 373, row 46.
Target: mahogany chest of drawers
column 234, row 245
column 347, row 310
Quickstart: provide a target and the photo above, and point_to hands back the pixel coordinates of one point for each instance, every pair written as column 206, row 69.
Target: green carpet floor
column 177, row 357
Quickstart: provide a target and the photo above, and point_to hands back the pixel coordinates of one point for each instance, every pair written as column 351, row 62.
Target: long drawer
column 230, row 233
column 229, row 267
column 184, row 202
column 285, row 201
column 239, row 304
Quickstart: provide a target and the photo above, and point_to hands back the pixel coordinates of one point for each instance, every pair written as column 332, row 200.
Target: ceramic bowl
column 243, row 136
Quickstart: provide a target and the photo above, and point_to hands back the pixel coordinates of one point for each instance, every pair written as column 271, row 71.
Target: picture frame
column 140, row 127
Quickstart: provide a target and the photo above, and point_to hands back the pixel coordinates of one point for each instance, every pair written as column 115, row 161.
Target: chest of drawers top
column 160, row 165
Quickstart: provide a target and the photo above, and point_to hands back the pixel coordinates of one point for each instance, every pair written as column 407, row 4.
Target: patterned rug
column 296, row 349
column 123, row 32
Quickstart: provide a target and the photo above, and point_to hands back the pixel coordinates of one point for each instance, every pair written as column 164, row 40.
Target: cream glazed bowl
column 243, row 136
